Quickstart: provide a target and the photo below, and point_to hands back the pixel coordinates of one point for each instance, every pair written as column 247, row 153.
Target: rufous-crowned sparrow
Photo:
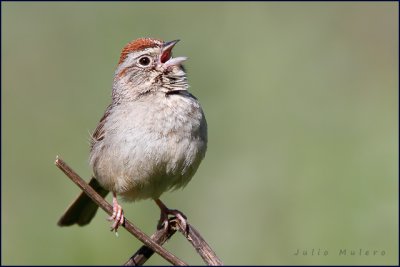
column 151, row 138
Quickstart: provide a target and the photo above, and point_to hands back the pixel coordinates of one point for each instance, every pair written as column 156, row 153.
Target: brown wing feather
column 98, row 133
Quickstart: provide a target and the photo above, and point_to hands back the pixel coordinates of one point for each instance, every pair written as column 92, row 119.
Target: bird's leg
column 182, row 220
column 118, row 214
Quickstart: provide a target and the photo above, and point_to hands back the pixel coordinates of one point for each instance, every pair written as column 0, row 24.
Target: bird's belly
column 139, row 162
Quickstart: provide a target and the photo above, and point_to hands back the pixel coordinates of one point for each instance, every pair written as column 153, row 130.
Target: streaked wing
column 98, row 133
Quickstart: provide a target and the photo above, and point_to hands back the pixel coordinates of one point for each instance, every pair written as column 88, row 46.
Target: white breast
column 150, row 148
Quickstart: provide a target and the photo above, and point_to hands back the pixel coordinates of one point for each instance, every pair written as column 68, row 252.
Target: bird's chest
column 166, row 121
column 146, row 145
column 163, row 137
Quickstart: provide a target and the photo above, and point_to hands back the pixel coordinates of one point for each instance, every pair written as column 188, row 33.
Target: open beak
column 166, row 55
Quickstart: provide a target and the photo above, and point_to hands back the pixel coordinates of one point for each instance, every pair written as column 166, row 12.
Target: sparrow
column 151, row 138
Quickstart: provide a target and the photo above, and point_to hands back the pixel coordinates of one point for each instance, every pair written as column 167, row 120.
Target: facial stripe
column 137, row 45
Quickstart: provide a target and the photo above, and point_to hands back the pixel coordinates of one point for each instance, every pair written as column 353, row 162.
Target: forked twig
column 144, row 253
column 108, row 209
column 154, row 243
column 161, row 236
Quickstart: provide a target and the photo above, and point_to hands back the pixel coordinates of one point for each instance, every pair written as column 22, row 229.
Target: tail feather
column 83, row 209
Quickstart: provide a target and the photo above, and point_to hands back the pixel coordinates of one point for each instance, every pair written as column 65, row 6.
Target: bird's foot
column 164, row 220
column 117, row 216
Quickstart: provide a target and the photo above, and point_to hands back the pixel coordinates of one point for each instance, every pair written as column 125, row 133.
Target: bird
column 151, row 138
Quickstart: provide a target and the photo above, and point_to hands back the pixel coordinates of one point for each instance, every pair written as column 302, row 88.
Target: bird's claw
column 179, row 217
column 117, row 216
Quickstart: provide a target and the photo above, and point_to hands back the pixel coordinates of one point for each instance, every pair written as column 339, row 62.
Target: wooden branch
column 154, row 243
column 201, row 246
column 108, row 209
column 144, row 253
column 161, row 236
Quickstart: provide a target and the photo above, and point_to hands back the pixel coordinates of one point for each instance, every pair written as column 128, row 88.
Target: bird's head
column 146, row 66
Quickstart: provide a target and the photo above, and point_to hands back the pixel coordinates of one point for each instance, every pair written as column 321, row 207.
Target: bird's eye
column 144, row 61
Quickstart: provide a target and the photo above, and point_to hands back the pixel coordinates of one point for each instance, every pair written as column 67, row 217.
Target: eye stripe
column 138, row 45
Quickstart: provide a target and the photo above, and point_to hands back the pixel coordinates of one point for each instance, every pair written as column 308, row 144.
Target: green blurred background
column 301, row 101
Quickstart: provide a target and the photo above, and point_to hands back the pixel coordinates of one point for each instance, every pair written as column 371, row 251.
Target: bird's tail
column 83, row 209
